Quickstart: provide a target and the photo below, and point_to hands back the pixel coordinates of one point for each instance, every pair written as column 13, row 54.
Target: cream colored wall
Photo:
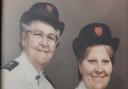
column 75, row 13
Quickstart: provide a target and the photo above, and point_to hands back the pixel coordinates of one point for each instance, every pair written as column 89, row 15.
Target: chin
column 99, row 86
column 97, row 83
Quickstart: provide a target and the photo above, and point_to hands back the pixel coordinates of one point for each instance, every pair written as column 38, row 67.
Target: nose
column 44, row 41
column 99, row 69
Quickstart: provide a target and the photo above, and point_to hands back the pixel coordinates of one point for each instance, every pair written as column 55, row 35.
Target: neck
column 38, row 66
column 87, row 87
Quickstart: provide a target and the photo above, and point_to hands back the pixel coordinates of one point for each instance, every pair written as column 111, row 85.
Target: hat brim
column 28, row 17
column 80, row 45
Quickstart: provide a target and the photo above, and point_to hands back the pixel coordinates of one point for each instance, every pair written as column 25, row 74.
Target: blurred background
column 75, row 13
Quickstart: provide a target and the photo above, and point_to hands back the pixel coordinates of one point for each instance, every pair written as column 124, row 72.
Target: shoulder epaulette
column 11, row 65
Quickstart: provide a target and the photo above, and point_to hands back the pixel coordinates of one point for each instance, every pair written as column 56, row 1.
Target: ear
column 58, row 35
column 23, row 38
column 81, row 68
column 58, row 32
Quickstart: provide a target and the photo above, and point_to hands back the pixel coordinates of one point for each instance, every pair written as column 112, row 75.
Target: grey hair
column 22, row 30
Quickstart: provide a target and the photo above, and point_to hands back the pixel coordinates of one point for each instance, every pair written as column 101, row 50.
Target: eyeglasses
column 51, row 37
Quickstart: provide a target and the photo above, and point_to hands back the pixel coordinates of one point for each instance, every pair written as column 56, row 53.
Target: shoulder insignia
column 11, row 65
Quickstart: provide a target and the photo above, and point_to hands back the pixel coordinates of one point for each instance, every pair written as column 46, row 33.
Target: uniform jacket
column 21, row 74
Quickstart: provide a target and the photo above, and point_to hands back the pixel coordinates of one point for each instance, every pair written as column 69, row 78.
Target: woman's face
column 96, row 67
column 40, row 43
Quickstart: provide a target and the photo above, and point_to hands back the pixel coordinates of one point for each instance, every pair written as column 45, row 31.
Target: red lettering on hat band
column 98, row 31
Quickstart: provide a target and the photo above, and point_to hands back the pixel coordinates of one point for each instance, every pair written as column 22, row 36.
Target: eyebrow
column 40, row 31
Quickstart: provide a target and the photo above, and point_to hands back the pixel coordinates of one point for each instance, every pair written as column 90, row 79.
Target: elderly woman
column 95, row 50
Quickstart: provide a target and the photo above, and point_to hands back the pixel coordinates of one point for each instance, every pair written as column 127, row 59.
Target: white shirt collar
column 27, row 67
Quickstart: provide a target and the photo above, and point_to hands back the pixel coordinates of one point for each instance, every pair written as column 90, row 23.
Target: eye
column 105, row 61
column 92, row 61
column 52, row 37
column 37, row 33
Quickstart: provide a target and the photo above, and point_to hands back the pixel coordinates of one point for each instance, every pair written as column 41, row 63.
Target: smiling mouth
column 41, row 50
column 98, row 76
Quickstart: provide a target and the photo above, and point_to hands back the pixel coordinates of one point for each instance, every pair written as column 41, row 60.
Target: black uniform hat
column 94, row 34
column 43, row 11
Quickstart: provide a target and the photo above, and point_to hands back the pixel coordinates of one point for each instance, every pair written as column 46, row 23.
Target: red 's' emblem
column 49, row 8
column 98, row 31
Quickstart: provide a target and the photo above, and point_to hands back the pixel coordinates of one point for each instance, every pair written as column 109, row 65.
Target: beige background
column 75, row 13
